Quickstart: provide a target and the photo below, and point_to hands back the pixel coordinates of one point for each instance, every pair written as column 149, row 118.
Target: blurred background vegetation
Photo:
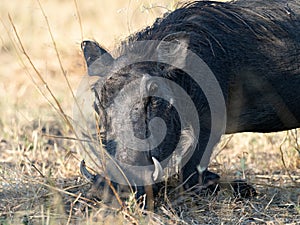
column 106, row 21
column 29, row 152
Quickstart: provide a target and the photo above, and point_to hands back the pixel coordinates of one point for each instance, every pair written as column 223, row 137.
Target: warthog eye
column 152, row 88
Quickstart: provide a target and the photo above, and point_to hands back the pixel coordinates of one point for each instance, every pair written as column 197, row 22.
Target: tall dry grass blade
column 68, row 83
column 79, row 19
column 75, row 100
column 23, row 65
column 283, row 160
column 57, row 54
column 39, row 75
column 56, row 50
column 24, row 52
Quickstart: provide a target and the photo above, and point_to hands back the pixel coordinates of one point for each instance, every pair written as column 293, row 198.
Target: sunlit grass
column 39, row 173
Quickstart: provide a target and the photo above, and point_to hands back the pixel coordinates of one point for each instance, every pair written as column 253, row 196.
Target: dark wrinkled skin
column 253, row 49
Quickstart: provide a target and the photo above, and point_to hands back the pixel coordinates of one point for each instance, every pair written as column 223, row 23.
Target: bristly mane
column 201, row 15
column 215, row 27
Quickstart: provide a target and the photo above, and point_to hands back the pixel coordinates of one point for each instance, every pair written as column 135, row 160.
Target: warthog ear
column 98, row 60
column 173, row 49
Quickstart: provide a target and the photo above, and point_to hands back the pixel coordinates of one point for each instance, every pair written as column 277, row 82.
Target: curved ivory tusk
column 158, row 170
column 84, row 172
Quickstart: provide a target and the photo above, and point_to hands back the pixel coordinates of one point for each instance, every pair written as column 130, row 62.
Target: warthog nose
column 139, row 121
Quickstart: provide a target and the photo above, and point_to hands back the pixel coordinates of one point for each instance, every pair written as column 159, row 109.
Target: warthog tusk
column 84, row 172
column 158, row 170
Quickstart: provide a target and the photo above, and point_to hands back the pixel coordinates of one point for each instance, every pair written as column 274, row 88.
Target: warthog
column 171, row 90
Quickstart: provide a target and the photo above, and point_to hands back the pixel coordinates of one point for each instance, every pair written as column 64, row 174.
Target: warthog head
column 146, row 120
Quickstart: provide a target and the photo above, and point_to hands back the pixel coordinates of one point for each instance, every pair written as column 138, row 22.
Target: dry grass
column 39, row 178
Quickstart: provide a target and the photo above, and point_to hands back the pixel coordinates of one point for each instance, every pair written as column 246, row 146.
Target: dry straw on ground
column 39, row 178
